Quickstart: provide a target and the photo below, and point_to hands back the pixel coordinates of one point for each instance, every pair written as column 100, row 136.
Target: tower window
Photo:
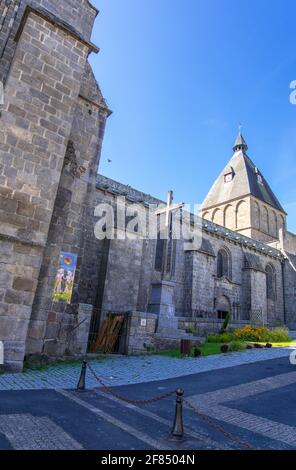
column 228, row 177
column 270, row 282
column 223, row 263
column 259, row 179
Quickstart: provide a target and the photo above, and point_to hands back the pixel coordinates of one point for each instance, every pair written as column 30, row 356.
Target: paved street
column 125, row 370
column 255, row 402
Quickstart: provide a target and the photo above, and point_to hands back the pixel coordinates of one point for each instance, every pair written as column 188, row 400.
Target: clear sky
column 179, row 76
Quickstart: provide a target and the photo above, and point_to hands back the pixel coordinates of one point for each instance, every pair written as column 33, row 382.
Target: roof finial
column 240, row 143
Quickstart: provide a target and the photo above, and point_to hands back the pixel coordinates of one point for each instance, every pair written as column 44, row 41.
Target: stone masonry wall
column 198, row 289
column 290, row 292
column 71, row 230
column 40, row 95
column 79, row 15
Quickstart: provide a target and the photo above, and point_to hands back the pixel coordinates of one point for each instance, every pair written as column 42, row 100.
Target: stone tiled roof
column 240, row 143
column 206, row 247
column 253, row 261
column 92, row 6
column 90, row 88
column 245, row 242
column 107, row 184
column 132, row 194
column 247, row 180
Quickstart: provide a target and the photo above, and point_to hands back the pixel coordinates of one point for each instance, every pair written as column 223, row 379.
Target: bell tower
column 242, row 200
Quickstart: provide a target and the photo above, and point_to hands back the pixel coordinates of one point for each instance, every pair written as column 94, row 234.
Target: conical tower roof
column 240, row 143
column 240, row 178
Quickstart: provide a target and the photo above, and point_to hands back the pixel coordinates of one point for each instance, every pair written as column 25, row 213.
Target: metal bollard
column 81, row 383
column 178, row 431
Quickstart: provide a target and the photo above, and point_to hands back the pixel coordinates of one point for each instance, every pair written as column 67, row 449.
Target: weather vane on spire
column 240, row 126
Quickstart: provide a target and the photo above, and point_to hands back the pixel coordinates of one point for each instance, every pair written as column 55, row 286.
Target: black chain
column 205, row 418
column 211, row 423
column 128, row 400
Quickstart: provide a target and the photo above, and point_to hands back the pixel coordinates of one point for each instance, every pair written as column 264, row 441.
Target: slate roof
column 90, row 89
column 247, row 180
column 206, row 247
column 253, row 261
column 240, row 143
column 115, row 187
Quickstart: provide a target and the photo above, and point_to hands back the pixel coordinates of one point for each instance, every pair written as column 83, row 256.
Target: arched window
column 229, row 217
column 274, row 225
column 241, row 213
column 265, row 220
column 256, row 215
column 217, row 217
column 270, row 282
column 224, row 263
column 282, row 222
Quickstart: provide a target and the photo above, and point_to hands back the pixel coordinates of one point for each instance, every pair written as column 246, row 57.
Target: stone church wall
column 41, row 99
column 70, row 231
column 290, row 292
column 76, row 14
column 198, row 289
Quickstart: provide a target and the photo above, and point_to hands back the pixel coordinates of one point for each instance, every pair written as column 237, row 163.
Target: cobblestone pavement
column 133, row 369
column 222, row 405
column 252, row 404
column 28, row 432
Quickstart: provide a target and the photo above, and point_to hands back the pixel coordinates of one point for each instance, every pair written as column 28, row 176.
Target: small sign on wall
column 64, row 281
column 143, row 322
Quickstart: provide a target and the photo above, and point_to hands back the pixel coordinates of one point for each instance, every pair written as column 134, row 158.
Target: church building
column 64, row 291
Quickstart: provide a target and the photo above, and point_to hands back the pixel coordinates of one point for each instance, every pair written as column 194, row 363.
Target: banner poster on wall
column 64, row 281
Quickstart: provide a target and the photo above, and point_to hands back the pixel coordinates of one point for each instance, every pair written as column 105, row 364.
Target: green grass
column 208, row 349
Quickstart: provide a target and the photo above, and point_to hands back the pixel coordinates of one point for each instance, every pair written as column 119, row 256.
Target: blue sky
column 179, row 76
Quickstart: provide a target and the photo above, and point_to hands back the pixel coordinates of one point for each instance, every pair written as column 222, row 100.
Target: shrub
column 278, row 335
column 196, row 352
column 224, row 348
column 220, row 338
column 249, row 346
column 250, row 333
column 225, row 323
column 236, row 346
column 262, row 334
column 258, row 346
column 268, row 345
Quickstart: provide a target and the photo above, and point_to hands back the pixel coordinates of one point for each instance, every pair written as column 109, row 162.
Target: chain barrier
column 128, row 400
column 180, row 400
column 215, row 426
